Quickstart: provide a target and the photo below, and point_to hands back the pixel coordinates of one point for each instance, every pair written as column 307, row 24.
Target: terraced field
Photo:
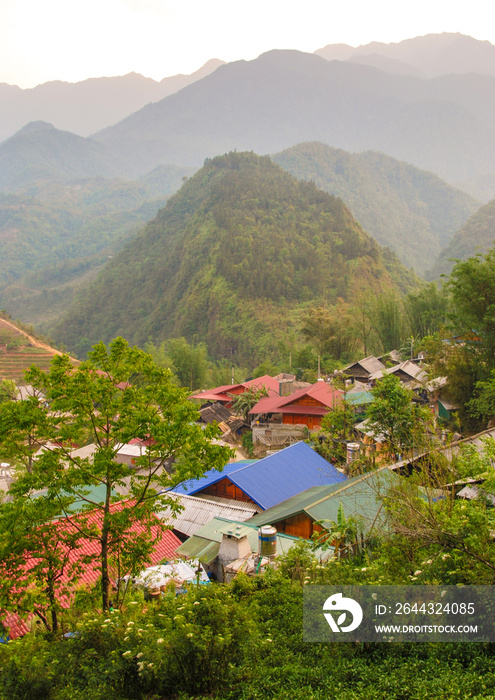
column 19, row 350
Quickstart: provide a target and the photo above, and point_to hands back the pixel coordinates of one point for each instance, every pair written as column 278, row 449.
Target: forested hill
column 412, row 211
column 476, row 236
column 232, row 259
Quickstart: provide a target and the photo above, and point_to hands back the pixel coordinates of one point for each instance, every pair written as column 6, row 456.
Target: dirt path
column 33, row 341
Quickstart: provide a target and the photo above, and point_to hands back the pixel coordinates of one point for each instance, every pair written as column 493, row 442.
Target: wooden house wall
column 226, row 489
column 310, row 421
column 300, row 525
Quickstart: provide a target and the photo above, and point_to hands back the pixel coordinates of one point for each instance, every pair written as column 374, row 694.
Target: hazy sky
column 71, row 40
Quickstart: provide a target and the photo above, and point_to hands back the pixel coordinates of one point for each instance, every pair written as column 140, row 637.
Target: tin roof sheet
column 199, row 511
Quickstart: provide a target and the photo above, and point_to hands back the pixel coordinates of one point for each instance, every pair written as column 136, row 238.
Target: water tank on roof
column 352, row 451
column 267, row 540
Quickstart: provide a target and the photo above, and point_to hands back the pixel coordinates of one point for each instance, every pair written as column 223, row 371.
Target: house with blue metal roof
column 269, row 481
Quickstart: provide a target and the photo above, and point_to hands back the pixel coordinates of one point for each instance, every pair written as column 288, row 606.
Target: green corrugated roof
column 292, row 506
column 359, row 498
column 357, row 398
column 199, row 548
column 204, row 545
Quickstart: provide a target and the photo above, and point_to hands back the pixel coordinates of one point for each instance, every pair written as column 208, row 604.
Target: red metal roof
column 299, row 410
column 327, row 395
column 271, row 384
column 16, row 626
column 164, row 549
column 267, row 404
column 221, row 393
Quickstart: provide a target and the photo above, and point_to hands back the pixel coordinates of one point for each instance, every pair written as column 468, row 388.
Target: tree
column 388, row 320
column 330, row 330
column 8, row 390
column 454, row 536
column 336, row 427
column 243, row 403
column 35, row 552
column 426, row 310
column 115, row 396
column 394, row 416
column 188, row 362
column 472, row 289
column 470, row 356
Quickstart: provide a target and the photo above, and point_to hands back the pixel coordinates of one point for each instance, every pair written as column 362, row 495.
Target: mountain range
column 287, row 97
column 89, row 105
column 370, row 125
column 425, row 56
column 475, row 237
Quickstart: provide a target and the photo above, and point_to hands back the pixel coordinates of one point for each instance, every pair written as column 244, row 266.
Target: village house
column 226, row 547
column 317, row 508
column 264, row 482
column 223, row 394
column 305, row 407
column 362, row 370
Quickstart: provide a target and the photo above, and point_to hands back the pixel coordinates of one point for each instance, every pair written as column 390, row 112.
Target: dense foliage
column 476, row 236
column 116, row 396
column 54, row 235
column 411, row 211
column 242, row 641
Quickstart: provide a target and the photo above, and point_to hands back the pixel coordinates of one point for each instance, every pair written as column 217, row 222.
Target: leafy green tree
column 472, row 290
column 243, row 403
column 455, row 536
column 330, row 330
column 483, row 403
column 8, row 390
column 189, row 363
column 342, row 534
column 23, row 429
column 35, row 551
column 388, row 320
column 264, row 368
column 395, row 417
column 469, row 357
column 426, row 310
column 116, row 395
column 336, row 427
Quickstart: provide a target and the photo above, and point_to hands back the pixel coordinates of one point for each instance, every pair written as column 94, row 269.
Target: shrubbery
column 237, row 641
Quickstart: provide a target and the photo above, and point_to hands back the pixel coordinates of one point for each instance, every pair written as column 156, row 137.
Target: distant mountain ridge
column 89, row 105
column 287, row 97
column 40, row 153
column 412, row 211
column 232, row 260
column 425, row 56
column 444, row 124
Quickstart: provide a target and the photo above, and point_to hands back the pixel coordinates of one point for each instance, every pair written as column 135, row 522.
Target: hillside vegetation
column 54, row 237
column 233, row 259
column 412, row 211
column 476, row 236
